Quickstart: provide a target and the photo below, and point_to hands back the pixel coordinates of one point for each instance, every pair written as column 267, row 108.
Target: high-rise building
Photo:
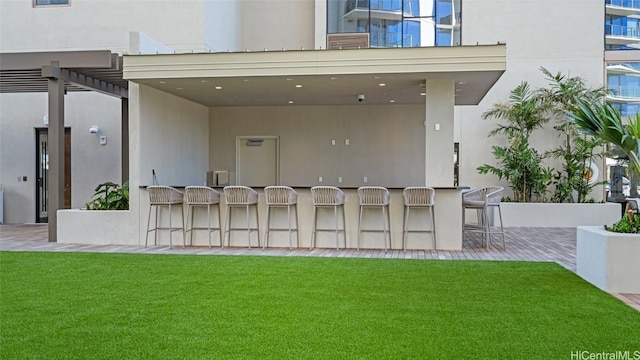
column 622, row 55
column 563, row 40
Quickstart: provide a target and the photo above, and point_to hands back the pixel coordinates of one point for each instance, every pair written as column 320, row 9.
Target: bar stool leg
column 184, row 234
column 384, row 221
column 297, row 228
column 155, row 234
column 335, row 213
column 227, row 226
column 219, row 227
column 266, row 230
column 208, row 225
column 289, row 223
column 433, row 227
column 404, row 228
column 359, row 227
column 313, row 228
column 344, row 226
column 146, row 240
column 248, row 226
column 257, row 224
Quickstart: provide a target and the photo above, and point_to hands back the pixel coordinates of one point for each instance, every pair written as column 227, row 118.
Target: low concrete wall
column 608, row 260
column 559, row 215
column 96, row 227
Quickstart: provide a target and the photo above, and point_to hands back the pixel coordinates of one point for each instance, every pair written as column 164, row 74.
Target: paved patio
column 523, row 244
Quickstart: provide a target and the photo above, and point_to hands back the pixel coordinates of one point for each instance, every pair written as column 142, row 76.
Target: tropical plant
column 629, row 224
column 521, row 166
column 571, row 183
column 518, row 163
column 524, row 113
column 602, row 120
column 110, row 196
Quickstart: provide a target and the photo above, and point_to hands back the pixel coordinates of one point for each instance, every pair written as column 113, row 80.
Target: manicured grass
column 132, row 306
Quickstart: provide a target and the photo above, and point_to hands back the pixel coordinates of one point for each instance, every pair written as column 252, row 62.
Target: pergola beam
column 84, row 81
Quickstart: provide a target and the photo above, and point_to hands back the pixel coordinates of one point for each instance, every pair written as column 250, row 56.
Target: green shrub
column 110, row 196
column 629, row 224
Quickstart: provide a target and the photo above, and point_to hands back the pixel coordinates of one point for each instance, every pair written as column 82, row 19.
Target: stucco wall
column 174, row 139
column 91, row 163
column 386, row 143
column 560, row 36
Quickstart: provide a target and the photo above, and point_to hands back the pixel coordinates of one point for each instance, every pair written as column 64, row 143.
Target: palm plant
column 561, row 95
column 602, row 120
column 518, row 163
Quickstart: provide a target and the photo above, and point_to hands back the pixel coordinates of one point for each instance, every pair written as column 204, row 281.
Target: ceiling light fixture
column 382, row 84
column 290, row 101
column 298, row 86
column 218, row 87
column 392, row 101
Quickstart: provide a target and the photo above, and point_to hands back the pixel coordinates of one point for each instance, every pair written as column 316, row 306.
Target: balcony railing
column 626, row 92
column 380, row 5
column 625, row 31
column 385, row 39
column 631, row 4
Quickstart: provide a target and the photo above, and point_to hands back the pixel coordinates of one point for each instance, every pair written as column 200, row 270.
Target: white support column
column 439, row 132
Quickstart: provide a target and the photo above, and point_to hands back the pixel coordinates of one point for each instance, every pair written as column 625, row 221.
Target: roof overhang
column 99, row 71
column 320, row 77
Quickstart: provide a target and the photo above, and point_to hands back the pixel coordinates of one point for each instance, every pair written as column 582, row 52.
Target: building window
column 50, row 2
column 397, row 23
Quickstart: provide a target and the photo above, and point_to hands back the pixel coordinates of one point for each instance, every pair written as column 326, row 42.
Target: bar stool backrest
column 373, row 195
column 280, row 195
column 419, row 196
column 240, row 195
column 202, row 195
column 327, row 195
column 164, row 195
column 490, row 195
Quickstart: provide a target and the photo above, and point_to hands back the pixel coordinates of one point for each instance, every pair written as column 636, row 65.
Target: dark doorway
column 42, row 172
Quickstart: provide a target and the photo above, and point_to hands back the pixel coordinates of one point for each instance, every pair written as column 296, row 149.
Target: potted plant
column 607, row 256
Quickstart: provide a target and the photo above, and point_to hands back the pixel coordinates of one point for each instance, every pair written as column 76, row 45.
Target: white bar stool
column 280, row 197
column 375, row 197
column 199, row 197
column 164, row 196
column 241, row 197
column 483, row 200
column 418, row 197
column 328, row 197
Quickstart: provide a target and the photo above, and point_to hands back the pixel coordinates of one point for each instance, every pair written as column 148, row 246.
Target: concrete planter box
column 609, row 260
column 558, row 215
column 95, row 227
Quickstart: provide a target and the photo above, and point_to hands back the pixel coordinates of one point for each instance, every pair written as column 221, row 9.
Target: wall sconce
column 94, row 129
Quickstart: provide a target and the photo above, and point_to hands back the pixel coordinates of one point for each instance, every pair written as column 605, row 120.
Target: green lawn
column 133, row 306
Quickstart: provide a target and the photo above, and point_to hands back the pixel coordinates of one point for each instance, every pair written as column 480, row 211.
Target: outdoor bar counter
column 448, row 220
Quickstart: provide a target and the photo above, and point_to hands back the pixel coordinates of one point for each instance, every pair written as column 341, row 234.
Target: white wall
column 173, row 139
column 91, row 163
column 100, row 24
column 386, row 143
column 562, row 36
column 277, row 24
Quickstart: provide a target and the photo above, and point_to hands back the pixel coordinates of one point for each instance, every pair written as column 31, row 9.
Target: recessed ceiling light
column 298, row 86
column 423, row 94
column 179, row 88
column 163, row 82
column 204, row 81
column 458, row 90
column 333, row 78
column 376, row 77
column 290, row 101
column 392, row 101
column 382, row 84
column 246, row 80
column 218, row 87
column 289, row 79
column 462, row 82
